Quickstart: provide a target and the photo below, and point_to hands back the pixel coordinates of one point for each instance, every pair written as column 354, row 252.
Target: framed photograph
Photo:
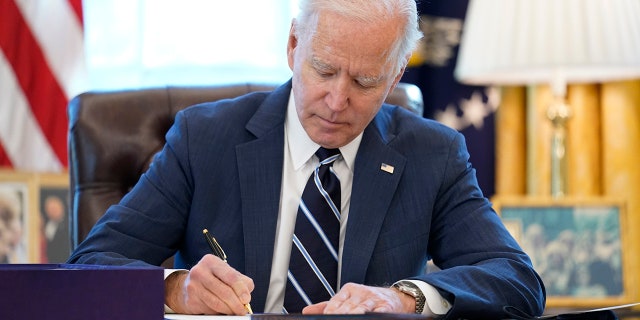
column 53, row 211
column 19, row 237
column 578, row 246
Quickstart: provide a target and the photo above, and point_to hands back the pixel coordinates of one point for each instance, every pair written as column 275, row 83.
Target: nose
column 338, row 96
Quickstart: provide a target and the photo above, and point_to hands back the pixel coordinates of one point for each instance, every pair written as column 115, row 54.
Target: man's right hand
column 210, row 287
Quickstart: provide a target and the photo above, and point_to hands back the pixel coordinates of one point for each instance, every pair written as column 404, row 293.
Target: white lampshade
column 549, row 41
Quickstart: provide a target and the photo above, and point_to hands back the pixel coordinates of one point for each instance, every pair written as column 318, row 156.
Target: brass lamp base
column 558, row 113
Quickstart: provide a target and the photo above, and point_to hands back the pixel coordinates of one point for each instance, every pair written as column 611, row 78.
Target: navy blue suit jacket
column 221, row 169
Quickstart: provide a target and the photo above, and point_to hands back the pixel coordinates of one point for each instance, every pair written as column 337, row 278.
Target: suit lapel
column 373, row 189
column 260, row 174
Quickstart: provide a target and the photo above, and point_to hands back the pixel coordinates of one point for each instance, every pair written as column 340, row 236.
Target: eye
column 322, row 69
column 362, row 84
column 365, row 84
column 324, row 73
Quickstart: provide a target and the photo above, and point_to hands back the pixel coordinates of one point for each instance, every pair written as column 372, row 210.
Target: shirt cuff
column 435, row 304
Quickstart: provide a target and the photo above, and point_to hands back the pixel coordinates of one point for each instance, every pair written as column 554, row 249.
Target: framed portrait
column 578, row 246
column 18, row 227
column 53, row 210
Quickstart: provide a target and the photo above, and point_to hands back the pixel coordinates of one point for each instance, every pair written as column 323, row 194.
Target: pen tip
column 205, row 231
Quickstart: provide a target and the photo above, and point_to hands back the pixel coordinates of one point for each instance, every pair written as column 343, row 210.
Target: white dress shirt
column 299, row 163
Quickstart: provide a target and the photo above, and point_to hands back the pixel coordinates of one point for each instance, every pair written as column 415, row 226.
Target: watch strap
column 413, row 290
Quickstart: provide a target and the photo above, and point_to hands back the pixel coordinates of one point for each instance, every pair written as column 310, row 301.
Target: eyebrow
column 321, row 65
column 363, row 79
column 370, row 80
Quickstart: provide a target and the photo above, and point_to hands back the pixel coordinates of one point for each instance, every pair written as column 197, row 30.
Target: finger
column 204, row 287
column 212, row 292
column 230, row 276
column 317, row 308
column 360, row 306
column 383, row 309
column 354, row 299
column 243, row 286
column 231, row 286
column 350, row 306
column 213, row 304
column 199, row 299
column 339, row 299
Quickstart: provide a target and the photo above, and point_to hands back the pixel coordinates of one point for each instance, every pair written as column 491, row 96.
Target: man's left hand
column 357, row 298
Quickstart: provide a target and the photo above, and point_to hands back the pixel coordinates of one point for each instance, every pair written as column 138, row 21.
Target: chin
column 331, row 143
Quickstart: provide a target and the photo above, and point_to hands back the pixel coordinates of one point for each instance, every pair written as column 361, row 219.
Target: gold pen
column 217, row 250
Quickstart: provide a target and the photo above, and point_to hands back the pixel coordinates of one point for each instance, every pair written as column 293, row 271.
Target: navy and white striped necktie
column 313, row 268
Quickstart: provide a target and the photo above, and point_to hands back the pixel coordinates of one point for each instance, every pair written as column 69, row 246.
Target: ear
column 292, row 44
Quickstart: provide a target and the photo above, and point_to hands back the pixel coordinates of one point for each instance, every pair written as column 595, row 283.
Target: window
column 146, row 43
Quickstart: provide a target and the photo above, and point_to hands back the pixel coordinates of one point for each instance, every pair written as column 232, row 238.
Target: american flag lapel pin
column 386, row 168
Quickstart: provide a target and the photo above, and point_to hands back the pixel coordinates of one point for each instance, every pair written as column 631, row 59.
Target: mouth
column 329, row 123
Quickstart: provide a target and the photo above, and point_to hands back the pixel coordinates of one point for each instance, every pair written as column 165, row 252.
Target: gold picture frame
column 579, row 246
column 19, row 236
column 53, row 200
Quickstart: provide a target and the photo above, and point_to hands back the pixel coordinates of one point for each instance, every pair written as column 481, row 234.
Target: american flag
column 42, row 66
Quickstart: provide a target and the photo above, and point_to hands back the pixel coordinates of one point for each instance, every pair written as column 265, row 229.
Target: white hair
column 366, row 10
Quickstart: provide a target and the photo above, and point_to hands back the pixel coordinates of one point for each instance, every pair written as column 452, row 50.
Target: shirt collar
column 302, row 148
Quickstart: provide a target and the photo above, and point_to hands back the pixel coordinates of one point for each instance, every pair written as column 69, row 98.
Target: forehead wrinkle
column 328, row 49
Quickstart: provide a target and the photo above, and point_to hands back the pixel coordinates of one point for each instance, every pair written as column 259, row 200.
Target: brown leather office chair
column 113, row 137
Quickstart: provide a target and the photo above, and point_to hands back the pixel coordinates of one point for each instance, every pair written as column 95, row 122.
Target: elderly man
column 388, row 191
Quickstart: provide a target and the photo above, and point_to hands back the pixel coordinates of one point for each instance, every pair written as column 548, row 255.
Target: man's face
column 54, row 208
column 341, row 77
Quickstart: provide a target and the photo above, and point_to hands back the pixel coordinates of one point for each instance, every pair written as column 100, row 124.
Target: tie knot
column 324, row 153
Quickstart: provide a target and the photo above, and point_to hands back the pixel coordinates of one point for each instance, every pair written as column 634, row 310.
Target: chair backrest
column 114, row 135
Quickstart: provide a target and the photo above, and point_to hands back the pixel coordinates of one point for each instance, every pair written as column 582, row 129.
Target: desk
column 192, row 317
column 625, row 313
column 386, row 316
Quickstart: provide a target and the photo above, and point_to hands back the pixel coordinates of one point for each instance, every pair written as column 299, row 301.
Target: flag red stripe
column 4, row 159
column 44, row 93
column 76, row 5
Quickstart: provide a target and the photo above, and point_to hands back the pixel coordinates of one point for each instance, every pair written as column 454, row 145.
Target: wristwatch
column 411, row 289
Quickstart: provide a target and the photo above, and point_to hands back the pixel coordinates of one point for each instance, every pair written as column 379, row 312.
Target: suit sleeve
column 482, row 266
column 148, row 224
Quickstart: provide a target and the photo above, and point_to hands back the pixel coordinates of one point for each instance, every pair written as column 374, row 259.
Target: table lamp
column 554, row 42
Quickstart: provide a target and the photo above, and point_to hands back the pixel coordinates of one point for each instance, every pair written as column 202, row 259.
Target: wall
column 603, row 149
